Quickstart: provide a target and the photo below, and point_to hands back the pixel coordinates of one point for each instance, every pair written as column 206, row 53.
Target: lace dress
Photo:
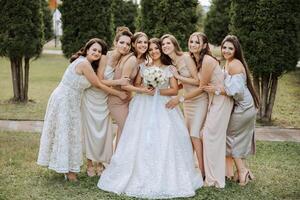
column 154, row 157
column 60, row 144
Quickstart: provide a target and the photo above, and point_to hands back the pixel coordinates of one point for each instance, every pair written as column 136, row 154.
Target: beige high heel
column 243, row 180
column 251, row 176
column 99, row 169
column 70, row 177
column 90, row 171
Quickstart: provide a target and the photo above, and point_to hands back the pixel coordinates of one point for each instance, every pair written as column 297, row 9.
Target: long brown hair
column 238, row 54
column 204, row 51
column 177, row 48
column 83, row 51
column 166, row 60
column 134, row 38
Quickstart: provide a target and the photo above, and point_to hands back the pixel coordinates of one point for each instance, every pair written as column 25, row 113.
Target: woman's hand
column 149, row 91
column 209, row 88
column 180, row 86
column 174, row 71
column 172, row 103
column 123, row 95
column 213, row 89
column 123, row 81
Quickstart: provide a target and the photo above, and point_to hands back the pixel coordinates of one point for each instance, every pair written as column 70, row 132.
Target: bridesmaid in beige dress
column 215, row 125
column 187, row 73
column 127, row 67
column 240, row 132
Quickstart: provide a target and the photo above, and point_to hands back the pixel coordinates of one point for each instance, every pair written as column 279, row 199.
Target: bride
column 154, row 157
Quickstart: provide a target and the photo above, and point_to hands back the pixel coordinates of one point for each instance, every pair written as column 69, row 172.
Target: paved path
column 55, row 52
column 266, row 133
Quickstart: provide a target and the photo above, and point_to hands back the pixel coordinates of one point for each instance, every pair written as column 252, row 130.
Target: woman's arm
column 208, row 67
column 101, row 71
column 191, row 66
column 87, row 70
column 173, row 90
column 128, row 68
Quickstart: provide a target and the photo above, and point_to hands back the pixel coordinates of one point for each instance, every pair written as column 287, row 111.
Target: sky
column 204, row 2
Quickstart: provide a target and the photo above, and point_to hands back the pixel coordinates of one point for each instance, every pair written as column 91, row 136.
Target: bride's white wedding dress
column 154, row 157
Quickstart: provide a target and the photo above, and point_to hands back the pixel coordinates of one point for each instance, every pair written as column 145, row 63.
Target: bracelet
column 181, row 98
column 218, row 91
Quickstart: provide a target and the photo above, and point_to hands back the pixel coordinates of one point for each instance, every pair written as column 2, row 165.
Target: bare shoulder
column 188, row 57
column 209, row 61
column 131, row 60
column 131, row 63
column 236, row 67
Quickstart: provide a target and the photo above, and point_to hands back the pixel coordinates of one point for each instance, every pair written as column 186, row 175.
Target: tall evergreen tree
column 149, row 16
column 268, row 31
column 83, row 20
column 216, row 24
column 47, row 21
column 178, row 17
column 124, row 14
column 21, row 36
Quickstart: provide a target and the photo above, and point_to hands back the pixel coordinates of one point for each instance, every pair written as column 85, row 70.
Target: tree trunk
column 13, row 66
column 272, row 96
column 264, row 96
column 256, row 83
column 21, row 77
column 26, row 79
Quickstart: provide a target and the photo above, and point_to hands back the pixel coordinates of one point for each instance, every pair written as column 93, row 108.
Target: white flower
column 154, row 76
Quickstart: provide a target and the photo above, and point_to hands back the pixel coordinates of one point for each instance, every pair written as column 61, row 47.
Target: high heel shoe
column 90, row 171
column 228, row 178
column 251, row 176
column 243, row 180
column 99, row 169
column 236, row 177
column 70, row 177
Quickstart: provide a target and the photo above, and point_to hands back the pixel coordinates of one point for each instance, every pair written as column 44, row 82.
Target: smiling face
column 94, row 52
column 141, row 45
column 167, row 46
column 123, row 44
column 154, row 52
column 228, row 51
column 195, row 44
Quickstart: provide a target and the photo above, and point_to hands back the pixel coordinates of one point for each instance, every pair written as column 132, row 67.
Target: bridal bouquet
column 154, row 77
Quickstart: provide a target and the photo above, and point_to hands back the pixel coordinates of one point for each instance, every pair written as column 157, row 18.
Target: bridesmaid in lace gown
column 188, row 74
column 60, row 144
column 216, row 122
column 240, row 132
column 154, row 158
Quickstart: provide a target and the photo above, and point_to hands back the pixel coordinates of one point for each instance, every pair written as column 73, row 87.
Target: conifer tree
column 268, row 31
column 21, row 36
column 216, row 24
column 83, row 20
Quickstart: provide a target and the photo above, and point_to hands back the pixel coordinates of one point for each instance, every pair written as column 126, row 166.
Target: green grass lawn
column 276, row 167
column 46, row 72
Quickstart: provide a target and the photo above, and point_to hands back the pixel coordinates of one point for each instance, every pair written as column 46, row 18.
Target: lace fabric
column 154, row 157
column 60, row 144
